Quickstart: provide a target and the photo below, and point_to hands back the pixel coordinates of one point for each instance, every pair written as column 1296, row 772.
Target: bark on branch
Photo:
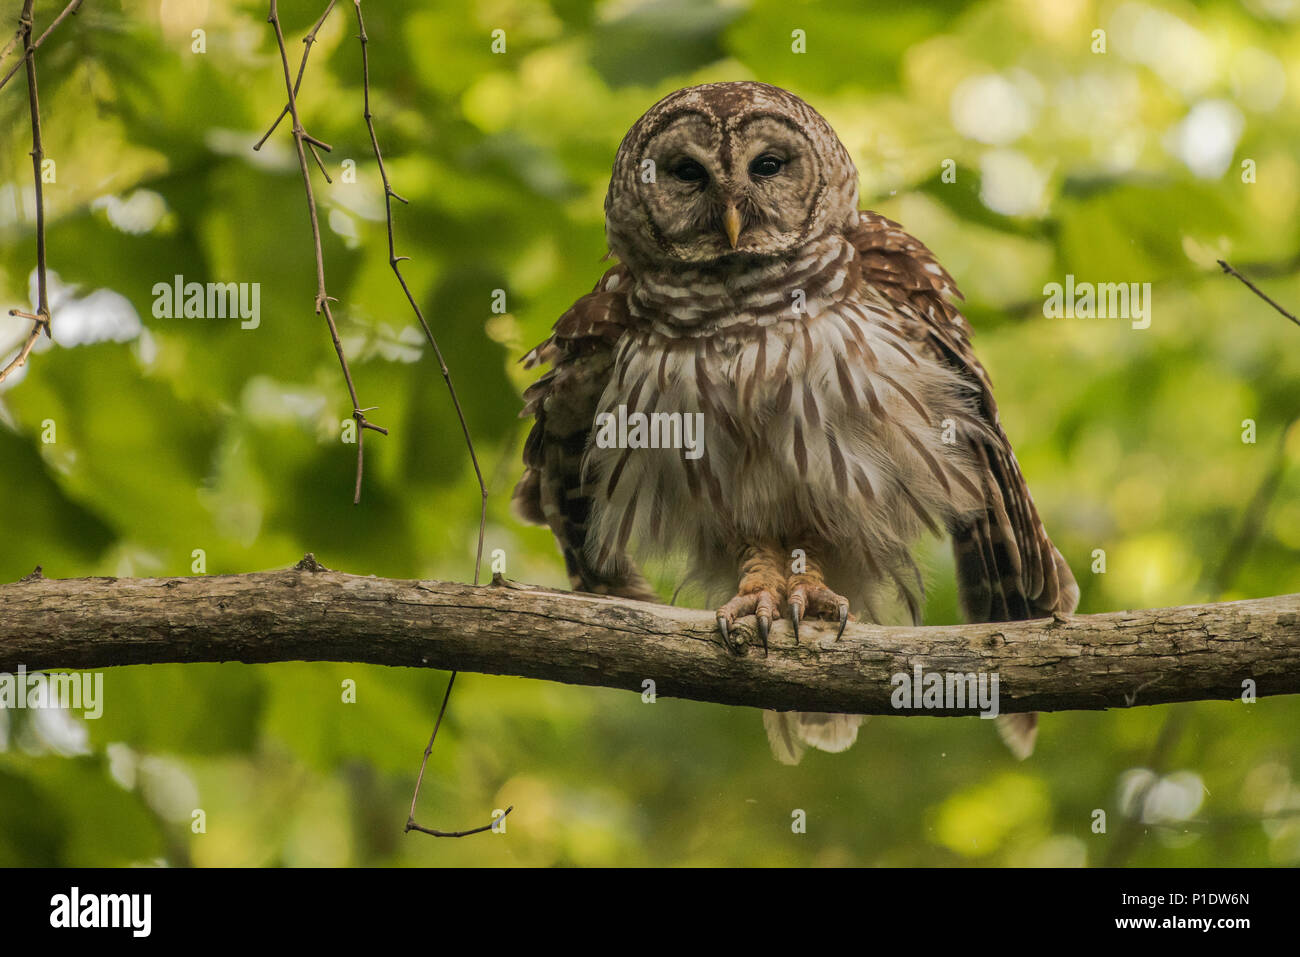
column 1086, row 662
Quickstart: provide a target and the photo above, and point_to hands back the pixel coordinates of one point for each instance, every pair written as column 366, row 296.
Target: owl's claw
column 726, row 634
column 813, row 598
column 764, row 605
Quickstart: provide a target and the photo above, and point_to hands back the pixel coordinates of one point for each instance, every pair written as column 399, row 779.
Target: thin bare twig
column 41, row 319
column 410, row 818
column 308, row 40
column 395, row 261
column 1273, row 268
column 69, row 10
column 9, row 47
column 1256, row 290
column 323, row 299
column 28, row 344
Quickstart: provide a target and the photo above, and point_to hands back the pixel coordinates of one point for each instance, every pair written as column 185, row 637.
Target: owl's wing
column 564, row 403
column 1007, row 567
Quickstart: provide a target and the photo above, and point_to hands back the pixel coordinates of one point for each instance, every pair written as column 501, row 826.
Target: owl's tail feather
column 791, row 733
column 1007, row 567
column 1009, row 570
column 1018, row 731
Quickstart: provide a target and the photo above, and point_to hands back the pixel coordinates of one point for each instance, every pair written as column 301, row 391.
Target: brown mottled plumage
column 844, row 411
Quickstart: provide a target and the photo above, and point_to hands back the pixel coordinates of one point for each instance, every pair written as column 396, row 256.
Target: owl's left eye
column 689, row 171
column 766, row 165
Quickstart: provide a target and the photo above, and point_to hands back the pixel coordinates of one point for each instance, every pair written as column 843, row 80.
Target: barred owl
column 843, row 411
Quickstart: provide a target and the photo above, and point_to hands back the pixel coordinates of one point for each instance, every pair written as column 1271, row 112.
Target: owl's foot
column 809, row 596
column 761, row 592
column 762, row 604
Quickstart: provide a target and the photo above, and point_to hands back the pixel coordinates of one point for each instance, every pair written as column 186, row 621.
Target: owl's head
column 727, row 170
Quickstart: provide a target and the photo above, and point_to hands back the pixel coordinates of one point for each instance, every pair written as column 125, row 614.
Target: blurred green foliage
column 1116, row 166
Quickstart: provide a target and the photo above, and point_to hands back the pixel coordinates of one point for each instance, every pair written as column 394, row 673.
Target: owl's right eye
column 689, row 171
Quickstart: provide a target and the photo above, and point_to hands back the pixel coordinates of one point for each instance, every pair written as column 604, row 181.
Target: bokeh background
column 1129, row 165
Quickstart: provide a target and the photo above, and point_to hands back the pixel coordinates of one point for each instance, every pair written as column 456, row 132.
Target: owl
column 779, row 388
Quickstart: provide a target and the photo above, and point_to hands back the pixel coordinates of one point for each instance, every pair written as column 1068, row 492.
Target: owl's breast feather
column 832, row 423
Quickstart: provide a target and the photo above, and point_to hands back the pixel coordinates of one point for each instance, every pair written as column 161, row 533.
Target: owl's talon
column 764, row 605
column 726, row 634
column 808, row 596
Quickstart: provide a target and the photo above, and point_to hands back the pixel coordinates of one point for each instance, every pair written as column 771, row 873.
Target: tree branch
column 1088, row 662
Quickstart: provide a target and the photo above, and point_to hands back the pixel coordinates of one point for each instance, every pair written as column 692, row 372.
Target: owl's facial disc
column 747, row 186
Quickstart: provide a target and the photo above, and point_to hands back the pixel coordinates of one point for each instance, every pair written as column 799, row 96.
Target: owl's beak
column 731, row 224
